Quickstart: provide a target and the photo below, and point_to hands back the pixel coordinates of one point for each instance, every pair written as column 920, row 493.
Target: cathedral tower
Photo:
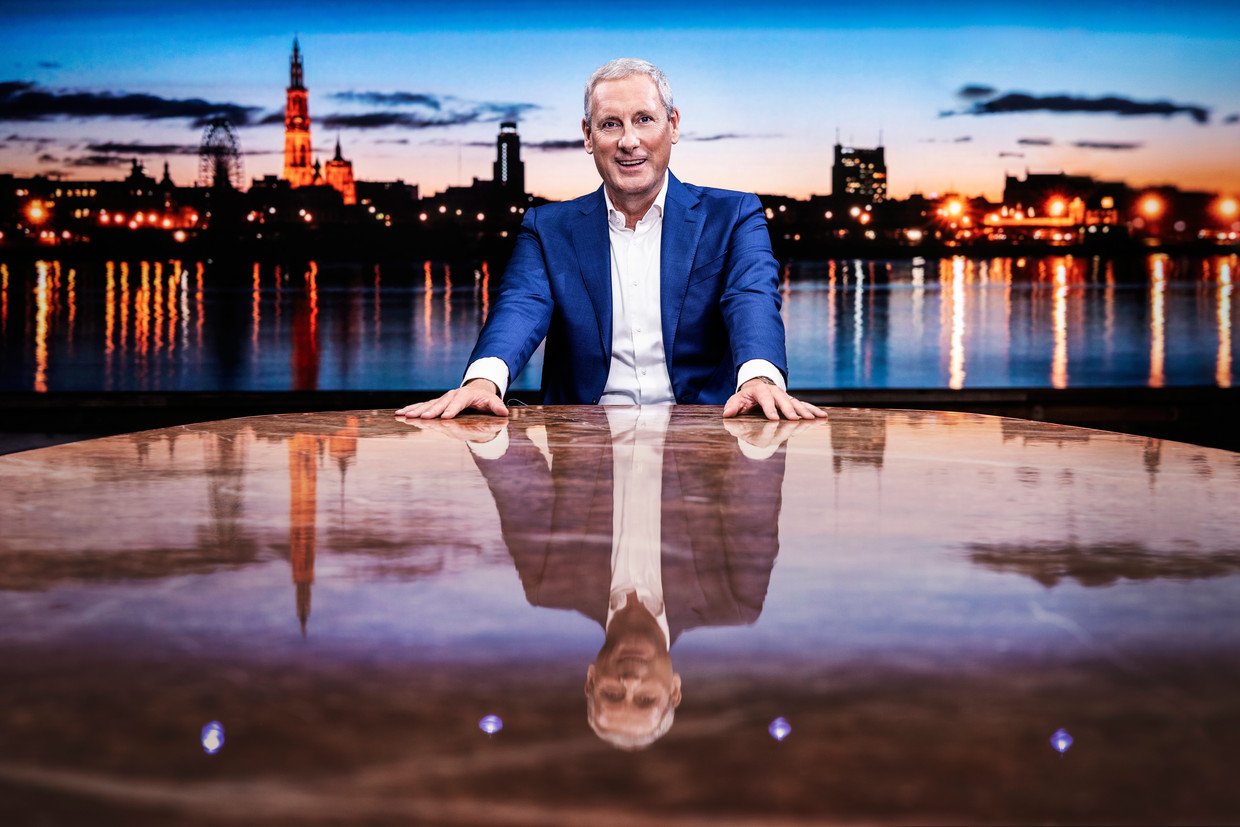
column 340, row 176
column 298, row 170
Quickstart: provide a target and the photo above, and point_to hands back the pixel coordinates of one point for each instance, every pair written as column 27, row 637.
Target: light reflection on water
column 1055, row 321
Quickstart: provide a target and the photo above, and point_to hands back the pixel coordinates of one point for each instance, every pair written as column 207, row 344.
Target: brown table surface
column 925, row 597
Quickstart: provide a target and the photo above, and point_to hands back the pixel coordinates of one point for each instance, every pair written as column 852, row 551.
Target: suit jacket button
column 594, row 401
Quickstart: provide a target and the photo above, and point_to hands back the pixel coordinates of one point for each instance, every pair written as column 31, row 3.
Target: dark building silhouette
column 509, row 171
column 859, row 174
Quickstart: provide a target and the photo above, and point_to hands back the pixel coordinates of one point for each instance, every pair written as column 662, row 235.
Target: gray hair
column 625, row 741
column 627, row 67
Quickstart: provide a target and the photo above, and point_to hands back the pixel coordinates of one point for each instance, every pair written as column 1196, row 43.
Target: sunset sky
column 1145, row 92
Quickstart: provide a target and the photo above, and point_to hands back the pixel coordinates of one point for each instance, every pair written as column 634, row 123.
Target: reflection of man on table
column 648, row 291
column 648, row 537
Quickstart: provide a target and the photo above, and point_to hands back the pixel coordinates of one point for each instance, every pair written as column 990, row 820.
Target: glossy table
column 925, row 598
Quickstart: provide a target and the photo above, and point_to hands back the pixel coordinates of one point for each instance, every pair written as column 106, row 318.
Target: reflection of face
column 631, row 684
column 630, row 136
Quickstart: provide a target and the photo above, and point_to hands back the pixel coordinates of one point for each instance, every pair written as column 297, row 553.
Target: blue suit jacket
column 719, row 295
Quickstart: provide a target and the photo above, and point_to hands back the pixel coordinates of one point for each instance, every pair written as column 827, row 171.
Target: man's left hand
column 773, row 401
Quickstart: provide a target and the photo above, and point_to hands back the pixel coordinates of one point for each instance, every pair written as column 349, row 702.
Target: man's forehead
column 606, row 93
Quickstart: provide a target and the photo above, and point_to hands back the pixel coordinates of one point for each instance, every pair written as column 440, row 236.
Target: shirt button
column 634, row 284
column 643, row 371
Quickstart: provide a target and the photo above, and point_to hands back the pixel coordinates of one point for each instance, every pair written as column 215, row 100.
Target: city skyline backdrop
column 1143, row 92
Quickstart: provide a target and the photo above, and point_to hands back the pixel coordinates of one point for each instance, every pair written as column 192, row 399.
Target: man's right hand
column 476, row 394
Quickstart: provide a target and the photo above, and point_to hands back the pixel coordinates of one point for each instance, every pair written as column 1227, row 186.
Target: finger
column 787, row 406
column 767, row 401
column 435, row 407
column 811, row 411
column 410, row 410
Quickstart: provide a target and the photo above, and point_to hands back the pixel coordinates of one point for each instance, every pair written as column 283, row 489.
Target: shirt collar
column 614, row 216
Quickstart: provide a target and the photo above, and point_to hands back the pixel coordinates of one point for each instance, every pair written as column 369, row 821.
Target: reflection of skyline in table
column 1053, row 321
column 949, row 590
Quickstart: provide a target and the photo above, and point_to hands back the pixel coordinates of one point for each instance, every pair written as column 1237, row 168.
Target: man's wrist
column 482, row 382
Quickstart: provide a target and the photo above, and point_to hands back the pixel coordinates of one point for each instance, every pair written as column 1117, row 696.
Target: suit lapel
column 593, row 248
column 682, row 228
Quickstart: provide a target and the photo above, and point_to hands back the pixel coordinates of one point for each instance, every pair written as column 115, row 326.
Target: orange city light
column 1057, row 207
column 1228, row 207
column 954, row 208
column 36, row 212
column 1151, row 206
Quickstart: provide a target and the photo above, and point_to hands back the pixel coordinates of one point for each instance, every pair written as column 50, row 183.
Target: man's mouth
column 633, row 163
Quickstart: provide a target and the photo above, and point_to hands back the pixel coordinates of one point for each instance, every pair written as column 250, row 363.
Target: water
column 950, row 323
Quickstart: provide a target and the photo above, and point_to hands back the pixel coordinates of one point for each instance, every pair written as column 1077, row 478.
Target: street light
column 1151, row 206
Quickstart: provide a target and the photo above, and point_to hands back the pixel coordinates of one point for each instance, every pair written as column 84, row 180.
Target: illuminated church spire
column 297, row 167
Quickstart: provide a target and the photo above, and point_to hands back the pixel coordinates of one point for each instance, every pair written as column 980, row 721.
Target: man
column 688, row 310
column 647, row 536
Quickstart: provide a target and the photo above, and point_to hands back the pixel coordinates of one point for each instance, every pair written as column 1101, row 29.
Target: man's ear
column 675, row 689
column 674, row 121
column 590, row 681
column 585, row 129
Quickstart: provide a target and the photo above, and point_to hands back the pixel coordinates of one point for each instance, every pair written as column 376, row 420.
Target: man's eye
column 646, row 701
column 609, row 125
column 613, row 696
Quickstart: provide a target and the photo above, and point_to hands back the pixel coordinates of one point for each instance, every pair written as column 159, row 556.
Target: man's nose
column 629, row 140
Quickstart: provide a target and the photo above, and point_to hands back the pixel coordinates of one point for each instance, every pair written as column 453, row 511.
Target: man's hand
column 773, row 401
column 477, row 394
column 476, row 429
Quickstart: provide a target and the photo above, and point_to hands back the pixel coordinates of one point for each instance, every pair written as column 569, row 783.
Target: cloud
column 144, row 149
column 725, row 136
column 48, row 64
column 1013, row 102
column 1115, row 145
column 48, row 158
column 24, row 101
column 1011, row 155
column 963, row 139
column 270, row 118
column 40, row 143
column 97, row 161
column 391, row 140
column 1234, row 117
column 442, row 111
column 976, row 91
column 378, row 120
column 1035, row 142
column 551, row 146
column 389, row 99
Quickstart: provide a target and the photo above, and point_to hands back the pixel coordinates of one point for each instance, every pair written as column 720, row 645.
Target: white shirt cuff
column 753, row 451
column 494, row 449
column 754, row 368
column 493, row 368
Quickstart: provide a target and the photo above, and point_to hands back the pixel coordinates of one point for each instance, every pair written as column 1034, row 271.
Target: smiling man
column 648, row 291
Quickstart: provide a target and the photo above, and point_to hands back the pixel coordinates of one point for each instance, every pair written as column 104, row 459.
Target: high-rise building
column 859, row 174
column 339, row 175
column 509, row 175
column 298, row 168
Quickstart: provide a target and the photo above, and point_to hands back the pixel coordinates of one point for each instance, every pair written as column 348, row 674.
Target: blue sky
column 1141, row 91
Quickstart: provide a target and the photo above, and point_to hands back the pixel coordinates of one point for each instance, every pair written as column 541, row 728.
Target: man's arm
column 750, row 305
column 517, row 323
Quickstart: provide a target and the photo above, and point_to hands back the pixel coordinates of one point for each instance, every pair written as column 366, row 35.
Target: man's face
column 632, row 684
column 630, row 136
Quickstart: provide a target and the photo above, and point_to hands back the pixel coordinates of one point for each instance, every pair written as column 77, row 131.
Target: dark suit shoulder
column 715, row 197
column 566, row 210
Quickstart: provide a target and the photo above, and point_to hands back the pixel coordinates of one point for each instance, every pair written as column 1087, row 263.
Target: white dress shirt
column 638, row 372
column 637, row 509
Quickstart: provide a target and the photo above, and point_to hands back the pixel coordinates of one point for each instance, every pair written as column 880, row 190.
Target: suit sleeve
column 750, row 302
column 523, row 306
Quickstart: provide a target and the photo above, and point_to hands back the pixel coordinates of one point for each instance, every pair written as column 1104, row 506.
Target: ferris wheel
column 219, row 157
